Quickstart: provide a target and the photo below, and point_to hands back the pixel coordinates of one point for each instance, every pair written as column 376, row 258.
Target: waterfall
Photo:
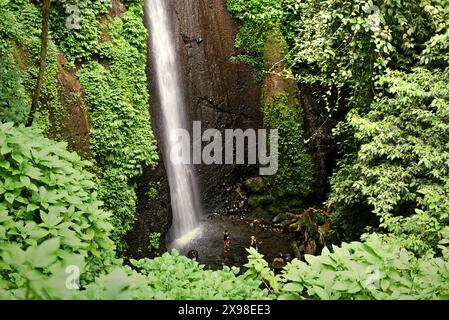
column 183, row 187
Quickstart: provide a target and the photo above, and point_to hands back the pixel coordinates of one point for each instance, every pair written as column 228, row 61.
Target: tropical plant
column 258, row 268
column 372, row 269
column 154, row 239
column 47, row 195
column 402, row 165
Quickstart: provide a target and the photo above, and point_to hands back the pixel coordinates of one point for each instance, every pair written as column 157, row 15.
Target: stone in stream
column 193, row 254
column 280, row 217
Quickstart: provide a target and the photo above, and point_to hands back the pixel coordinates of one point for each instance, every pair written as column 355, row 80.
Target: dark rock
column 220, row 93
column 193, row 254
column 318, row 126
column 152, row 215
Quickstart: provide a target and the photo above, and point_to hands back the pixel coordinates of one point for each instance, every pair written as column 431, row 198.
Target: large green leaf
column 45, row 254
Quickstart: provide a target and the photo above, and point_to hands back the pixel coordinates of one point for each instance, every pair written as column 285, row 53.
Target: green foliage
column 435, row 53
column 47, row 197
column 153, row 191
column 117, row 100
column 401, row 169
column 357, row 42
column 50, row 112
column 176, row 277
column 258, row 268
column 14, row 102
column 252, row 42
column 154, row 239
column 168, row 277
column 294, row 175
column 370, row 270
column 37, row 272
column 79, row 44
column 22, row 53
column 119, row 196
column 261, row 11
column 257, row 18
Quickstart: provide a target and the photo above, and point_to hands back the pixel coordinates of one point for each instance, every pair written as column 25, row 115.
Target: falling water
column 181, row 178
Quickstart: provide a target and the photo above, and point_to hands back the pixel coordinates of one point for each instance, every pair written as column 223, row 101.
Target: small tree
column 43, row 59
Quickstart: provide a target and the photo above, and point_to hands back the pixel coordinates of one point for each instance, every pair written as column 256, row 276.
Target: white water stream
column 183, row 187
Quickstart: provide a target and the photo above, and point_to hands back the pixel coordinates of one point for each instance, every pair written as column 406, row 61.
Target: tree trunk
column 43, row 61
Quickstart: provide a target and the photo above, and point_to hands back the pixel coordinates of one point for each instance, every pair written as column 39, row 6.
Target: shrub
column 47, row 196
column 401, row 168
column 370, row 270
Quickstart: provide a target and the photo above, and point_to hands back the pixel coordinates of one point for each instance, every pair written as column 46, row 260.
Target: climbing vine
column 14, row 101
column 294, row 175
column 117, row 99
column 257, row 18
column 110, row 54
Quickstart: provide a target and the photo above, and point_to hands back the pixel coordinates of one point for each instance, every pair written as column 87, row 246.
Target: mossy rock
column 254, row 185
column 261, row 213
column 256, row 200
column 275, row 209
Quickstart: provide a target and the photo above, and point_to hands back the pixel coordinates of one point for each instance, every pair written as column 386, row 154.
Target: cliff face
column 219, row 93
column 318, row 126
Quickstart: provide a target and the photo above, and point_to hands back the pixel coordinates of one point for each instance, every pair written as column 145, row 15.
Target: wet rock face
column 153, row 212
column 318, row 128
column 74, row 120
column 219, row 93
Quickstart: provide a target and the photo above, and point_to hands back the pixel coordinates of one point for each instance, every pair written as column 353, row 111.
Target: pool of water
column 208, row 241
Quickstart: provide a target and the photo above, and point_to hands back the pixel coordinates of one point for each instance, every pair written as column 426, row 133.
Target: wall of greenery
column 261, row 44
column 387, row 63
column 117, row 100
column 53, row 229
column 109, row 55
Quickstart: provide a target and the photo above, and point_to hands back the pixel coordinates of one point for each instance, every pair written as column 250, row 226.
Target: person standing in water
column 253, row 243
column 227, row 241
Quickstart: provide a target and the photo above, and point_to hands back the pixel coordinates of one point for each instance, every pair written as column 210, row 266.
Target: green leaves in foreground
column 168, row 277
column 54, row 234
column 176, row 277
column 370, row 270
column 47, row 202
